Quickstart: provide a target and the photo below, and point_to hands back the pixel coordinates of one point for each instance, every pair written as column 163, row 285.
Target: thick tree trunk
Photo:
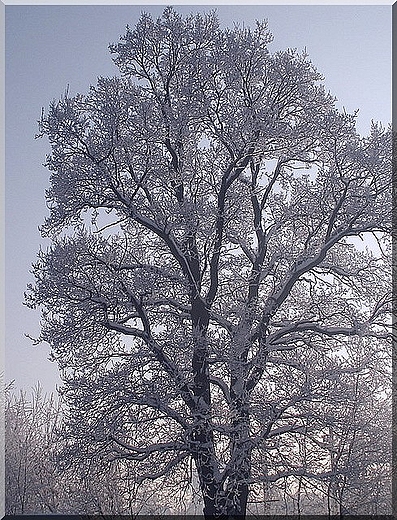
column 223, row 498
column 226, row 505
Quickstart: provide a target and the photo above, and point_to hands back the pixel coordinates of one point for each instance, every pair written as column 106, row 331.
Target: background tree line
column 355, row 444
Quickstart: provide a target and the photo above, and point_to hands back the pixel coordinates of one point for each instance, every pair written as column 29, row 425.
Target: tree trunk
column 226, row 498
column 223, row 498
column 222, row 507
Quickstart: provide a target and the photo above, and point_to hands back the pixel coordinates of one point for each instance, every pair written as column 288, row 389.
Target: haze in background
column 51, row 47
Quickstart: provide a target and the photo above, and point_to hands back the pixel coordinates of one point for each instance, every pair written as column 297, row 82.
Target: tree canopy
column 204, row 294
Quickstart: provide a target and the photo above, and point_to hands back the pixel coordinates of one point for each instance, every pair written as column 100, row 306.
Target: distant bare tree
column 40, row 480
column 30, row 424
column 360, row 448
column 204, row 274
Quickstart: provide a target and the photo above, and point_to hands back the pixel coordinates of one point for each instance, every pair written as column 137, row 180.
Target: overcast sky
column 50, row 47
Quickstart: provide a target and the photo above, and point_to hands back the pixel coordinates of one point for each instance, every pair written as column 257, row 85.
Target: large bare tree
column 204, row 279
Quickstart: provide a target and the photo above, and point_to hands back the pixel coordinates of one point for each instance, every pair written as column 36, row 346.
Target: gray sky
column 49, row 47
